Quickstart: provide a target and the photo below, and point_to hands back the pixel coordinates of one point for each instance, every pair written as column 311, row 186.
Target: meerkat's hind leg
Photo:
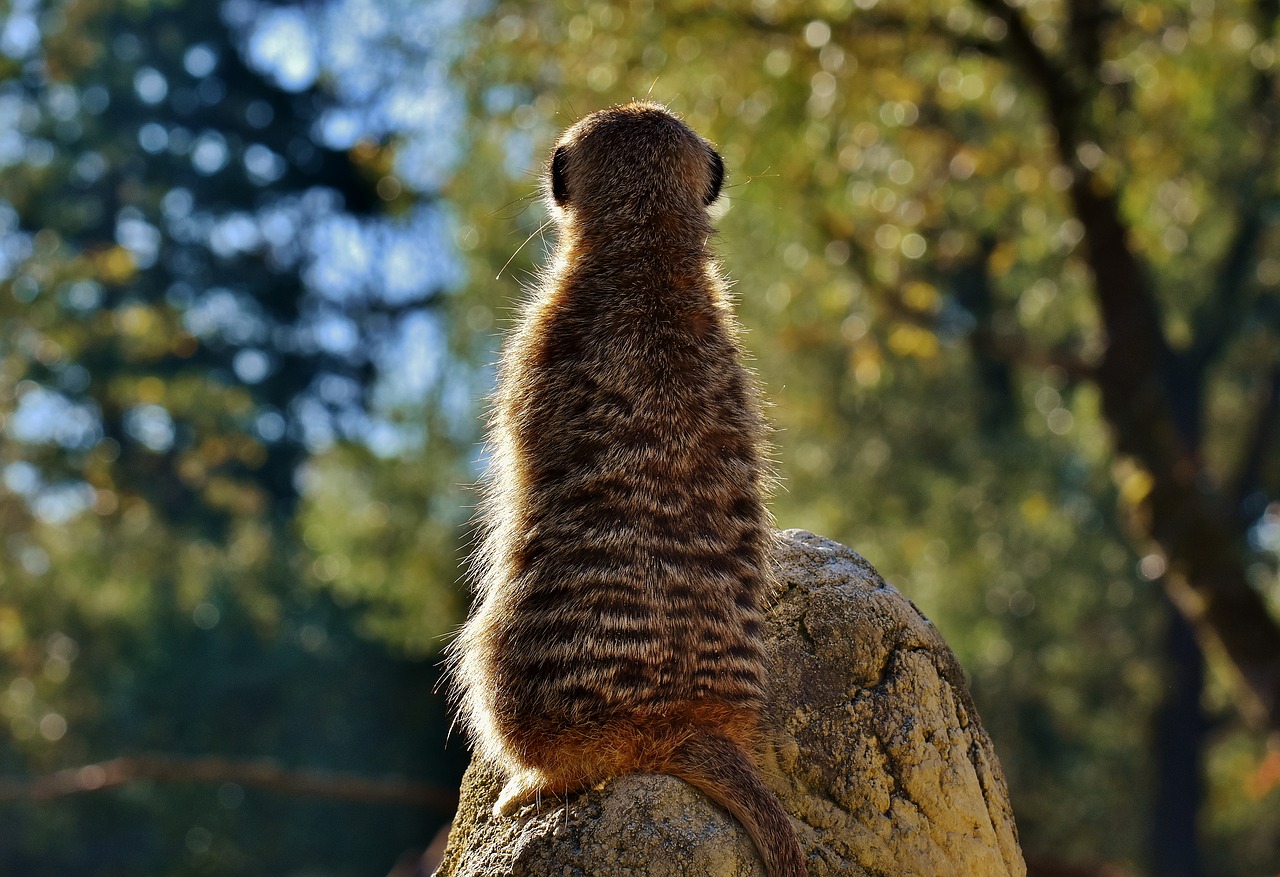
column 523, row 787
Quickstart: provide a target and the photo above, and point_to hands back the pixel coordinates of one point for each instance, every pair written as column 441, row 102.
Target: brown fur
column 625, row 547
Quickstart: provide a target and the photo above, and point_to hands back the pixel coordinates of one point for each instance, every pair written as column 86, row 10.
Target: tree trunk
column 1200, row 535
column 1180, row 729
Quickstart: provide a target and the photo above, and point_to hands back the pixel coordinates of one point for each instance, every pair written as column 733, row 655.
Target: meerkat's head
column 633, row 163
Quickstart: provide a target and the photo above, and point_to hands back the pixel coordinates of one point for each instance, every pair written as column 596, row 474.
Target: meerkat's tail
column 720, row 768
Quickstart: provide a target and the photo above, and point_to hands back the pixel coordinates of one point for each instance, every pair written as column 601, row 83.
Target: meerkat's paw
column 523, row 788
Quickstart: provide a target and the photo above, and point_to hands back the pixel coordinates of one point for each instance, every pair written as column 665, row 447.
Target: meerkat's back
column 626, row 540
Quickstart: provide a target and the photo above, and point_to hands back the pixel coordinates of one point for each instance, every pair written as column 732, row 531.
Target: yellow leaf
column 11, row 632
column 1002, row 259
column 920, row 296
column 115, row 265
column 1135, row 485
column 135, row 320
column 865, row 365
column 910, row 340
column 1035, row 508
column 150, row 390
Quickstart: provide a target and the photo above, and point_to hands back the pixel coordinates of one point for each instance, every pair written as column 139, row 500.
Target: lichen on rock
column 877, row 753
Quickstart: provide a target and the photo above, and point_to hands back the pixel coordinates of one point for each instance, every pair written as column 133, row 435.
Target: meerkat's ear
column 717, row 179
column 559, row 190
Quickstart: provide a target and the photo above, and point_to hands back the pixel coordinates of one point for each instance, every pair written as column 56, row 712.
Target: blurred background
column 1009, row 273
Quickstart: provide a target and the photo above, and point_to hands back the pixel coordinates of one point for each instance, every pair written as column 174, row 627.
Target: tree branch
column 1086, row 20
column 1004, row 346
column 852, row 26
column 1140, row 382
column 257, row 773
column 1138, row 351
column 1262, row 440
column 1219, row 317
column 1150, row 398
column 1063, row 100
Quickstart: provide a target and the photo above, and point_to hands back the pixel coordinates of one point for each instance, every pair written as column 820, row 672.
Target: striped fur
column 625, row 539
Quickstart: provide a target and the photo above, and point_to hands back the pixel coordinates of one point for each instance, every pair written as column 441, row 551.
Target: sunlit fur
column 625, row 543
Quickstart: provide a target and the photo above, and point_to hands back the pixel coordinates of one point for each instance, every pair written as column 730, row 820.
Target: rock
column 878, row 755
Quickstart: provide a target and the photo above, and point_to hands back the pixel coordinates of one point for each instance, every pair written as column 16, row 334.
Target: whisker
column 523, row 200
column 531, row 236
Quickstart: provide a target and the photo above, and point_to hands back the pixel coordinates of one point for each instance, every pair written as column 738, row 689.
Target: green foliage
column 378, row 543
column 234, row 469
column 910, row 267
column 179, row 334
column 306, row 691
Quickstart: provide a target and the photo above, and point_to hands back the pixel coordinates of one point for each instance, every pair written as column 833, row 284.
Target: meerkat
column 625, row 541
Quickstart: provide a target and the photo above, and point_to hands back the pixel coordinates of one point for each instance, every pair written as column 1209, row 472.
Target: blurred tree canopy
column 215, row 291
column 1010, row 273
column 1010, row 278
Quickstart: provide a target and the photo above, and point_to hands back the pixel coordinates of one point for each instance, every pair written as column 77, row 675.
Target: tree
column 201, row 286
column 1007, row 267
